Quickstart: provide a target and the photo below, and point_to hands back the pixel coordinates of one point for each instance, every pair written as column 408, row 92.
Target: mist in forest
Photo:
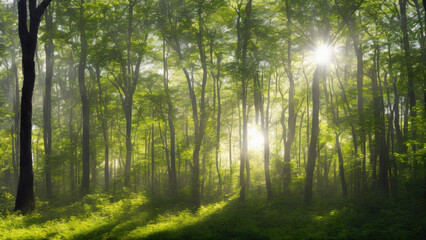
column 212, row 119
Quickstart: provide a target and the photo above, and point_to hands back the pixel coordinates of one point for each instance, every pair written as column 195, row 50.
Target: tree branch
column 41, row 7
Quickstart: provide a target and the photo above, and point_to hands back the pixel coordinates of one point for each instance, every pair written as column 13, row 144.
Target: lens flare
column 323, row 54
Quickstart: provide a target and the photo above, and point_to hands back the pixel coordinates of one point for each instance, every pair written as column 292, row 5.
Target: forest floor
column 99, row 216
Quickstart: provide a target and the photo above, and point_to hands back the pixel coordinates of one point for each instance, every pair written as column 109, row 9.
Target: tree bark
column 244, row 72
column 170, row 118
column 153, row 159
column 104, row 124
column 410, row 71
column 218, row 123
column 85, row 182
column 341, row 167
column 264, row 118
column 25, row 195
column 47, row 104
column 291, row 112
column 312, row 153
column 16, row 119
column 380, row 128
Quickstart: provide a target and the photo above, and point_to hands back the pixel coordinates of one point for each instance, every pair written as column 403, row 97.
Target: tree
column 244, row 82
column 170, row 113
column 312, row 151
column 291, row 107
column 47, row 103
column 85, row 182
column 28, row 36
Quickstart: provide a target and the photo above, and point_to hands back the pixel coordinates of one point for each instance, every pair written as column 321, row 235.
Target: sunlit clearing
column 255, row 138
column 323, row 54
column 175, row 221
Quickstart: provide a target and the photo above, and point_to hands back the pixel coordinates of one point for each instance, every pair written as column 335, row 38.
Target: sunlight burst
column 323, row 54
column 255, row 138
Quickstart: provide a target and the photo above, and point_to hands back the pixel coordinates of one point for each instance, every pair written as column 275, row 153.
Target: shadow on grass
column 256, row 221
column 138, row 217
column 117, row 227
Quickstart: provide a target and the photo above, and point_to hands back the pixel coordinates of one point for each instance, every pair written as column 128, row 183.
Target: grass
column 97, row 216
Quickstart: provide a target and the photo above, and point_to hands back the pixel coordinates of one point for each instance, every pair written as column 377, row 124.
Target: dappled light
column 212, row 119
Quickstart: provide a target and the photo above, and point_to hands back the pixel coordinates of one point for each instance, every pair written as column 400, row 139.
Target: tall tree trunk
column 170, row 118
column 85, row 182
column 352, row 26
column 264, row 118
column 312, row 153
column 104, row 124
column 341, row 167
column 47, row 104
column 230, row 151
column 199, row 125
column 380, row 127
column 16, row 119
column 291, row 112
column 244, row 72
column 127, row 105
column 410, row 72
column 219, row 112
column 153, row 159
column 25, row 194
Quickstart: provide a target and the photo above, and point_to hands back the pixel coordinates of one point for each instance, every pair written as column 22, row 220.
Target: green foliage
column 135, row 217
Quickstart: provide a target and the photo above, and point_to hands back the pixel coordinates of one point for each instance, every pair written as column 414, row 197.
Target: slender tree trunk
column 300, row 137
column 312, row 153
column 47, row 103
column 85, row 182
column 244, row 72
column 16, row 120
column 341, row 167
column 380, row 128
column 152, row 159
column 230, row 151
column 129, row 148
column 351, row 22
column 102, row 112
column 265, row 128
column 410, row 72
column 170, row 118
column 218, row 123
column 291, row 112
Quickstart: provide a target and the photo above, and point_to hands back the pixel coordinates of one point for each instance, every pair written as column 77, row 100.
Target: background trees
column 173, row 93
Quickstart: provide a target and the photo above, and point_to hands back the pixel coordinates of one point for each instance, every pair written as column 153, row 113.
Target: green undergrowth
column 99, row 216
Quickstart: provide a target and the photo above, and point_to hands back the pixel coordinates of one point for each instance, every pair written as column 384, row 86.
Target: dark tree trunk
column 352, row 26
column 380, row 128
column 25, row 194
column 47, row 104
column 85, row 182
column 170, row 118
column 244, row 72
column 219, row 112
column 152, row 159
column 230, row 151
column 199, row 125
column 341, row 167
column 291, row 112
column 127, row 106
column 102, row 113
column 312, row 153
column 410, row 72
column 264, row 118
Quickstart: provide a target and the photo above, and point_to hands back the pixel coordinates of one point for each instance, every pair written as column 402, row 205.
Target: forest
column 212, row 119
